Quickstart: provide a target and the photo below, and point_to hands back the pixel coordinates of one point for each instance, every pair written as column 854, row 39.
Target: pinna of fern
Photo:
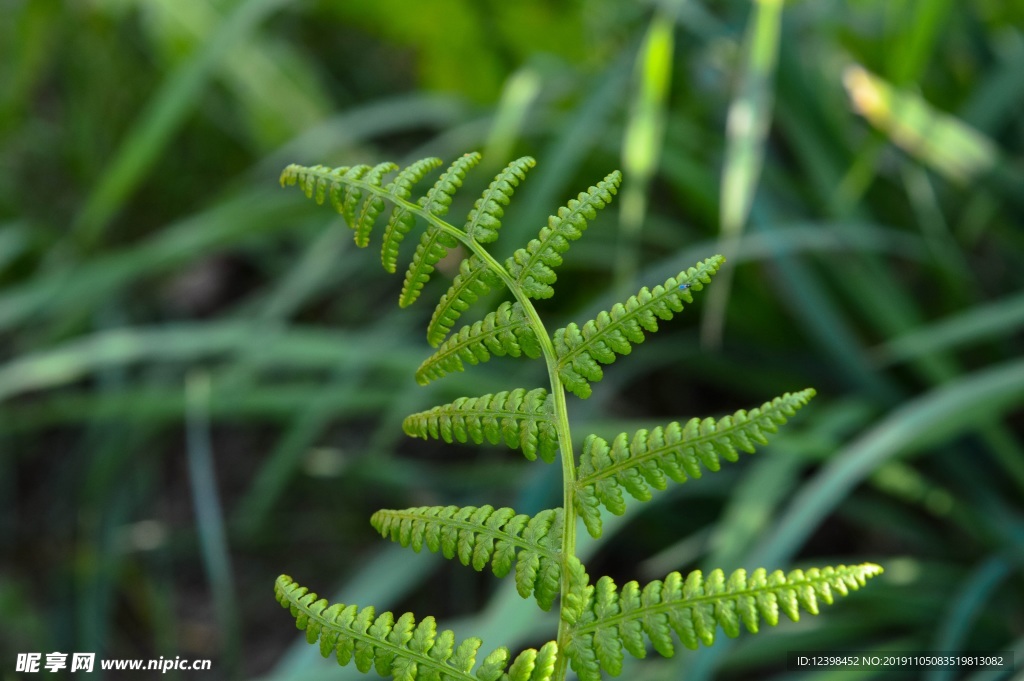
column 523, row 419
column 603, row 623
column 529, row 270
column 402, row 648
column 598, row 621
column 676, row 452
column 605, row 620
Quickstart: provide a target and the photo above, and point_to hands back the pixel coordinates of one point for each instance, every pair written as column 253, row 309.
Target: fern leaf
column 614, row 621
column 320, row 182
column 484, row 220
column 534, row 665
column 373, row 206
column 434, row 243
column 675, row 452
column 402, row 220
column 520, row 419
column 533, row 267
column 579, row 350
column 481, row 535
column 474, row 279
column 506, row 331
column 403, row 649
column 345, row 187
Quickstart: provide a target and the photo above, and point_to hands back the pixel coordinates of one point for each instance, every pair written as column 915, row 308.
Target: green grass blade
column 643, row 140
column 953, row 149
column 563, row 155
column 518, row 95
column 920, row 25
column 747, row 127
column 941, row 413
column 279, row 403
column 161, row 118
column 188, row 342
column 13, row 242
column 978, row 587
column 70, row 291
column 344, row 134
column 279, row 466
column 210, row 521
column 993, row 102
column 998, row 319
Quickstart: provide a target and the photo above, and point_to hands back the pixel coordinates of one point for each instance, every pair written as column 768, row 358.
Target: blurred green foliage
column 145, row 247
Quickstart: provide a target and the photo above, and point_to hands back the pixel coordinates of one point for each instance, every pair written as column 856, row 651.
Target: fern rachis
column 597, row 622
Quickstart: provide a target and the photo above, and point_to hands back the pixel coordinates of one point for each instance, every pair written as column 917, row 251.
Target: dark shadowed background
column 202, row 380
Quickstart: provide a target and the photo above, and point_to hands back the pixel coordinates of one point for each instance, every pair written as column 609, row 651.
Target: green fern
column 481, row 535
column 506, row 331
column 608, row 621
column 474, row 280
column 402, row 220
column 375, row 205
column 403, row 649
column 523, row 420
column 484, row 220
column 532, row 267
column 435, row 243
column 675, row 452
column 579, row 350
column 598, row 621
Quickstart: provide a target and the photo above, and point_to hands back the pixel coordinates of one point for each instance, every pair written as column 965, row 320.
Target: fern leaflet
column 533, row 267
column 474, row 279
column 434, row 243
column 674, row 452
column 319, row 182
column 484, row 220
column 401, row 220
column 373, row 206
column 521, row 419
column 403, row 649
column 580, row 350
column 612, row 620
column 506, row 331
column 481, row 535
column 345, row 186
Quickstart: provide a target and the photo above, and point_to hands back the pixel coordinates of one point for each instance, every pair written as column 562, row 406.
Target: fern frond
column 675, row 452
column 533, row 267
column 320, row 182
column 372, row 207
column 598, row 622
column 612, row 620
column 481, row 535
column 506, row 331
column 484, row 220
column 402, row 220
column 403, row 649
column 579, row 350
column 345, row 187
column 474, row 280
column 520, row 419
column 434, row 243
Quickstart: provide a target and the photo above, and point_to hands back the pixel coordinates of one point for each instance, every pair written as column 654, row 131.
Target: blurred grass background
column 202, row 382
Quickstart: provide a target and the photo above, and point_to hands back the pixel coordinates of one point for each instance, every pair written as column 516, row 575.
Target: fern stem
column 561, row 413
column 568, row 502
column 557, row 389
